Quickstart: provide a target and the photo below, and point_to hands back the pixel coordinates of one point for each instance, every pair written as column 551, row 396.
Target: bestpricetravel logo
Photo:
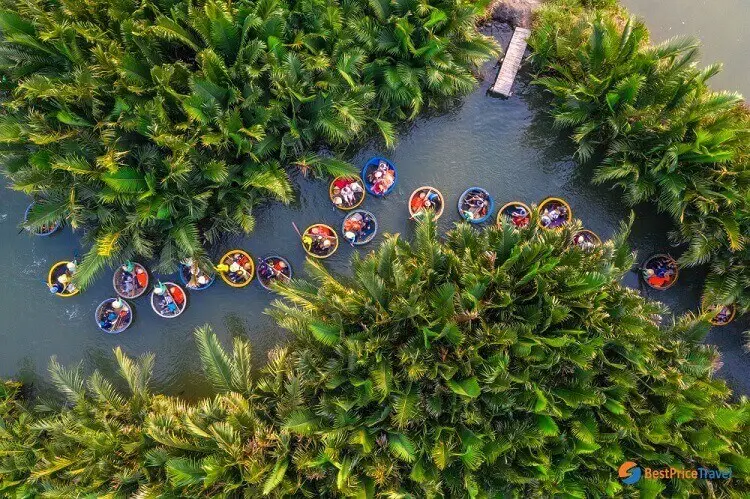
column 630, row 473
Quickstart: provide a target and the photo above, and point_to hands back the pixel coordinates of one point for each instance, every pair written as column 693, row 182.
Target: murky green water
column 506, row 146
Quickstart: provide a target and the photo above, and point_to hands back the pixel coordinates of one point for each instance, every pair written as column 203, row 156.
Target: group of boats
column 378, row 178
column 168, row 299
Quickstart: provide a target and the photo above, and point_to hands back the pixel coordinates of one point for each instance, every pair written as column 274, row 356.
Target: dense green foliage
column 158, row 125
column 666, row 136
column 492, row 362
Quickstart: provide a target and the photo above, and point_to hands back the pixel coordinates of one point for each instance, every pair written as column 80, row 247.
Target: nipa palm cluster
column 157, row 126
column 664, row 135
column 496, row 363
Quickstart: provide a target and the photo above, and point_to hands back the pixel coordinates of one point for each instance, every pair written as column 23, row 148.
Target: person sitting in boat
column 382, row 178
column 662, row 273
column 519, row 216
column 584, row 242
column 475, row 207
column 265, row 271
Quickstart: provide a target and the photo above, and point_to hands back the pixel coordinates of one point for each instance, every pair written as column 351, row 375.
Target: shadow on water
column 507, row 146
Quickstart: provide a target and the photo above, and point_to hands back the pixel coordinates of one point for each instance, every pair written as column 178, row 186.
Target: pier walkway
column 511, row 63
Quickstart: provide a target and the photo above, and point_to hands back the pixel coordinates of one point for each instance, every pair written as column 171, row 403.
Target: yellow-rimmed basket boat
column 320, row 241
column 723, row 314
column 586, row 240
column 244, row 274
column 55, row 272
column 554, row 213
column 517, row 213
column 357, row 187
column 660, row 271
column 432, row 200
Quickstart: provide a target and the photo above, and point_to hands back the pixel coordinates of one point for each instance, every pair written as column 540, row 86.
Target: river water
column 506, row 146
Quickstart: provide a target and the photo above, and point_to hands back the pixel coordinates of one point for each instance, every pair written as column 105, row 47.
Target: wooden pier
column 511, row 63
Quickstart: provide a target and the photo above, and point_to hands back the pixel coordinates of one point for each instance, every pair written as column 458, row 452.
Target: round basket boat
column 476, row 205
column 724, row 314
column 554, row 213
column 241, row 268
column 346, row 193
column 359, row 227
column 171, row 303
column 517, row 213
column 44, row 231
column 586, row 240
column 130, row 280
column 660, row 272
column 113, row 315
column 273, row 269
column 383, row 184
column 186, row 277
column 60, row 277
column 320, row 241
column 426, row 198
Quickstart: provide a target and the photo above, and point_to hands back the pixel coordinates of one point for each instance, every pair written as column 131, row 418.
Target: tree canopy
column 665, row 136
column 491, row 363
column 159, row 125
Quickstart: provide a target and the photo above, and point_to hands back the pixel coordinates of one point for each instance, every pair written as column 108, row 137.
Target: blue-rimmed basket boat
column 485, row 210
column 173, row 293
column 366, row 234
column 186, row 274
column 266, row 278
column 130, row 284
column 372, row 165
column 45, row 231
column 123, row 317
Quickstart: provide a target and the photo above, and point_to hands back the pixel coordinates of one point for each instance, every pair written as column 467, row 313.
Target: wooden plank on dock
column 511, row 63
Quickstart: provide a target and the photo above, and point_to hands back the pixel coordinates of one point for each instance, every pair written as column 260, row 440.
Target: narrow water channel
column 507, row 146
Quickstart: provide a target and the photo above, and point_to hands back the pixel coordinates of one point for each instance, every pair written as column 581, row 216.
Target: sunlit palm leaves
column 167, row 123
column 665, row 136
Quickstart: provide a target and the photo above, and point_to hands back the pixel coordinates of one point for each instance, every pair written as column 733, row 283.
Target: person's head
column 71, row 266
column 234, row 267
column 378, row 174
column 337, row 201
column 580, row 239
column 649, row 272
column 546, row 219
column 159, row 290
column 427, row 203
column 63, row 279
column 282, row 264
column 326, row 243
column 202, row 279
column 350, row 235
column 117, row 304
